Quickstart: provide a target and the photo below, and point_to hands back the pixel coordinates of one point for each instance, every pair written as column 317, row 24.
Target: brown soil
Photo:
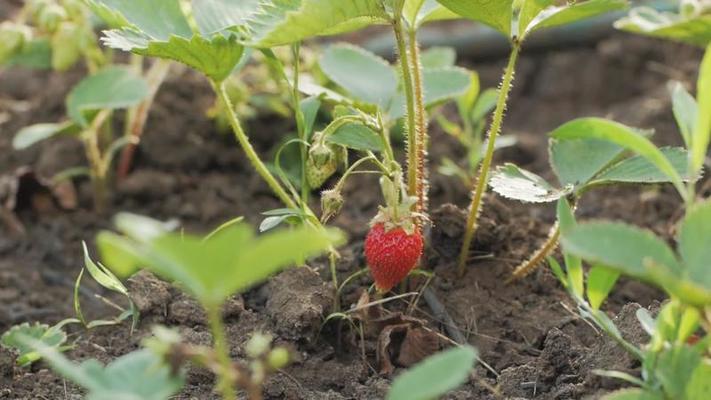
column 185, row 169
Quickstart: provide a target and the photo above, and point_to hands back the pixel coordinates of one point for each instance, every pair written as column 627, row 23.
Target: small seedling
column 50, row 336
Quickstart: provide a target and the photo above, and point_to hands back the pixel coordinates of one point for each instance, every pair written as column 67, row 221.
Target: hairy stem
column 421, row 186
column 138, row 116
column 406, row 71
column 249, row 150
column 528, row 266
column 483, row 179
column 225, row 377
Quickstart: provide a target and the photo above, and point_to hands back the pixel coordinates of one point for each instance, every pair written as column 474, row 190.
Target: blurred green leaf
column 34, row 54
column 215, row 16
column 310, row 107
column 632, row 394
column 646, row 20
column 513, row 182
column 66, row 45
column 26, row 355
column 111, row 88
column 601, row 280
column 694, row 246
column 356, row 136
column 438, row 57
column 699, row 385
column 674, row 369
column 435, row 376
column 160, row 19
column 619, row 246
column 364, row 75
column 685, row 111
column 702, row 129
column 638, row 169
column 32, row 134
column 567, row 14
column 497, row 14
column 111, row 17
column 420, row 12
column 440, row 84
column 529, row 10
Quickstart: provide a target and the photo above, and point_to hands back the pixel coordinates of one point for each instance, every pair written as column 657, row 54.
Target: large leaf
column 623, row 247
column 515, row 183
column 434, row 376
column 159, row 19
column 356, row 136
column 702, row 128
column 214, row 16
column 111, row 88
column 638, row 169
column 137, row 375
column 694, row 243
column 364, row 75
column 529, row 10
column 685, row 111
column 289, row 21
column 495, row 13
column 32, row 134
column 227, row 262
column 648, row 21
column 621, row 135
column 563, row 15
column 577, row 160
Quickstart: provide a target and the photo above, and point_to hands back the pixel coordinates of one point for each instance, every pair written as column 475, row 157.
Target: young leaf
column 685, row 111
column 619, row 246
column 289, row 21
column 103, row 276
column 434, row 376
column 693, row 243
column 364, row 75
column 600, row 281
column 356, row 136
column 563, row 15
column 138, row 375
column 497, row 14
column 111, row 88
column 646, row 321
column 513, row 182
column 32, row 134
column 26, row 355
column 638, row 169
column 702, row 128
column 621, row 135
column 558, row 271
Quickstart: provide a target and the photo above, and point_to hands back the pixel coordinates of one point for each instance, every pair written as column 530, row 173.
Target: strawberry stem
column 421, row 185
column 483, row 178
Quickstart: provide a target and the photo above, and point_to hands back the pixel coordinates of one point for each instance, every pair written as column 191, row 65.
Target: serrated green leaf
column 26, row 355
column 566, row 14
column 356, row 136
column 434, row 376
column 111, row 88
column 648, row 21
column 578, row 160
column 623, row 247
column 620, row 135
column 685, row 111
column 497, row 14
column 364, row 75
column 702, row 129
column 111, row 17
column 32, row 134
column 215, row 16
column 693, row 243
column 601, row 280
column 516, row 183
column 440, row 85
column 288, row 21
column 438, row 57
column 159, row 19
column 638, row 169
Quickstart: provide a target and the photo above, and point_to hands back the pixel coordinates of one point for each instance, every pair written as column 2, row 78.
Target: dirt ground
column 186, row 170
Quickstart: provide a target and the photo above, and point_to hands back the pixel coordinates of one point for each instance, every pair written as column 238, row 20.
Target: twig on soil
column 440, row 312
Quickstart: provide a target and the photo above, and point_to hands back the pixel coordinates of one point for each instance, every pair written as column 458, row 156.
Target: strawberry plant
column 690, row 24
column 516, row 20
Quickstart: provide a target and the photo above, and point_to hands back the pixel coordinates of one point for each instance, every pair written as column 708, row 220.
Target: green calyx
column 398, row 210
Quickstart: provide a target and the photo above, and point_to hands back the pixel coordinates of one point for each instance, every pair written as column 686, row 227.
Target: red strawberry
column 391, row 254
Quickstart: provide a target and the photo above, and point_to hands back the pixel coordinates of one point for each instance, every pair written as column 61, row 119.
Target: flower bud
column 331, row 203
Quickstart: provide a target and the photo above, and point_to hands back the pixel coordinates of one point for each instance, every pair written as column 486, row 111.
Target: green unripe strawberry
column 12, row 39
column 50, row 17
column 322, row 161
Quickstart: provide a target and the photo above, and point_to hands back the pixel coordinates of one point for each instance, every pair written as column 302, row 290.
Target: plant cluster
column 349, row 106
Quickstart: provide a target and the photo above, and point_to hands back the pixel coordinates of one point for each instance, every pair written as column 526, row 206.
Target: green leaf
column 621, row 135
column 497, row 14
column 694, row 246
column 111, row 88
column 516, row 183
column 356, row 136
column 159, row 19
column 215, row 16
column 419, row 12
column 685, row 111
column 529, row 10
column 137, row 375
column 638, row 169
column 32, row 134
column 601, row 280
column 577, row 160
column 440, row 85
column 702, row 128
column 558, row 271
column 111, row 17
column 26, row 355
column 438, row 57
column 34, row 54
column 620, row 246
column 699, row 385
column 103, row 276
column 567, row 14
column 310, row 107
column 434, row 376
column 695, row 30
column 632, row 394
column 364, row 75
column 675, row 367
column 573, row 264
column 215, row 57
column 288, row 21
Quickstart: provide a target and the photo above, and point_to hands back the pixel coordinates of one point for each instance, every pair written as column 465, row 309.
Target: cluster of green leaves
column 690, row 24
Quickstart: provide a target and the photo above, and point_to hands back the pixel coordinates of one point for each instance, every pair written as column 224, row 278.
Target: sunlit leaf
column 32, row 134
column 638, row 169
column 214, row 16
column 567, row 14
column 648, row 21
column 497, row 14
column 159, row 19
column 513, row 182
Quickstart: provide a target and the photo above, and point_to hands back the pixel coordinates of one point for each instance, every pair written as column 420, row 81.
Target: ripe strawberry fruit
column 391, row 254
